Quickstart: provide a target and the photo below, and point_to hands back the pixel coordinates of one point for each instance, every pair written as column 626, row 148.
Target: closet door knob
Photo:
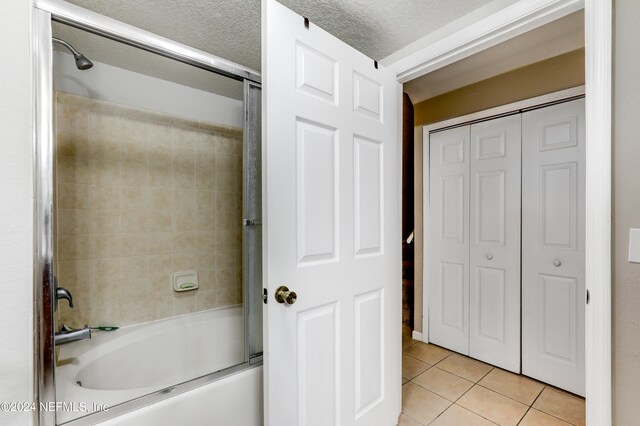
column 556, row 262
column 489, row 256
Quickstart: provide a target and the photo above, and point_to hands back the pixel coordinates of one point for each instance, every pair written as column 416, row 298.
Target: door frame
column 517, row 19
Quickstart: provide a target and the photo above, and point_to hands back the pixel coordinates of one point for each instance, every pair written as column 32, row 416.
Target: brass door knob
column 283, row 295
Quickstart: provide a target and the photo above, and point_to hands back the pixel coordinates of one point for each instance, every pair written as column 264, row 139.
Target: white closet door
column 553, row 291
column 448, row 233
column 494, row 308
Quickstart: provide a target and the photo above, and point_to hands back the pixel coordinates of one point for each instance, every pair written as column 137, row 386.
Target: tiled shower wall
column 139, row 196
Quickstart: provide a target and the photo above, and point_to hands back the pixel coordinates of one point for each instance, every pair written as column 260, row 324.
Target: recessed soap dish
column 185, row 281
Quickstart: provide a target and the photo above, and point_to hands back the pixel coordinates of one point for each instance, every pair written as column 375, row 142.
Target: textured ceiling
column 231, row 28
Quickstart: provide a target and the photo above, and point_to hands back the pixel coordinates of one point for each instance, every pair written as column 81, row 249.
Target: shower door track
column 46, row 11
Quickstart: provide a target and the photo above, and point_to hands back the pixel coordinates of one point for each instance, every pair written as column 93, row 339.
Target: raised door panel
column 553, row 292
column 495, row 242
column 447, row 228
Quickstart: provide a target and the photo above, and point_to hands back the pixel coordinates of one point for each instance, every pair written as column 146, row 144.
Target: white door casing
column 332, row 229
column 494, row 281
column 553, row 255
column 448, row 239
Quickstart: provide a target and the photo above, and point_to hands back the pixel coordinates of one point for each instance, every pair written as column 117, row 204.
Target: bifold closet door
column 448, row 239
column 553, row 290
column 494, row 281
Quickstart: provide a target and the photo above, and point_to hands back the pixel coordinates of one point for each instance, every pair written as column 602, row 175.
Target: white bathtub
column 114, row 367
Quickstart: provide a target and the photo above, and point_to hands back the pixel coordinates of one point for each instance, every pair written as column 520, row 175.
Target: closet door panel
column 495, row 183
column 553, row 290
column 448, row 239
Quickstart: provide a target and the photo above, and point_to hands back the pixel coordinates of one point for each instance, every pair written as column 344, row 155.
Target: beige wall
column 551, row 75
column 139, row 196
column 626, row 212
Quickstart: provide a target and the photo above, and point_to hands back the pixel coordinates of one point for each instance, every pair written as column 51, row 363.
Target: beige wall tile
column 105, row 197
column 74, row 221
column 105, row 148
column 72, row 196
column 184, row 220
column 127, row 209
column 105, row 172
column 104, row 221
column 133, row 198
column 74, row 170
column 184, row 303
column 206, row 300
column 159, row 220
column 132, row 221
column 184, row 242
column 133, row 267
column 159, row 199
column 184, row 199
column 133, row 172
column 207, row 279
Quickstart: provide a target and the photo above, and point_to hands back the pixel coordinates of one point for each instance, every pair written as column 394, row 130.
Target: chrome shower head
column 81, row 61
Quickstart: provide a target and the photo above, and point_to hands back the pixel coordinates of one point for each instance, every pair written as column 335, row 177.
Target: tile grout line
column 463, row 394
column 549, row 414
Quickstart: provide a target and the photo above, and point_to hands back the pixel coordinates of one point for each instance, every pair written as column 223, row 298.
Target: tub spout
column 63, row 293
column 63, row 336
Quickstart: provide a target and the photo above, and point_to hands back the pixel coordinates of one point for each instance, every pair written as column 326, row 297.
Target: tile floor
column 443, row 388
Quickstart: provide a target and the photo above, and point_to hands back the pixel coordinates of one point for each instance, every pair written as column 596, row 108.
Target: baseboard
column 416, row 335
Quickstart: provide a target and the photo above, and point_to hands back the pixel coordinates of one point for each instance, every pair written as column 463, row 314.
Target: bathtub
column 114, row 367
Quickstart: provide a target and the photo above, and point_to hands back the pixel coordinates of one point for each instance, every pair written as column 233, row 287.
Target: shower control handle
column 283, row 295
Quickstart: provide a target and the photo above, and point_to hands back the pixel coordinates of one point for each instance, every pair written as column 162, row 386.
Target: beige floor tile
column 443, row 383
column 458, row 416
column 538, row 418
column 404, row 380
column 405, row 420
column 559, row 404
column 421, row 404
column 411, row 367
column 465, row 367
column 407, row 341
column 514, row 386
column 430, row 354
column 493, row 406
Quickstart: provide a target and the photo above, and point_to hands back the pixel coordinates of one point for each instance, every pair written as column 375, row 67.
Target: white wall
column 117, row 85
column 16, row 210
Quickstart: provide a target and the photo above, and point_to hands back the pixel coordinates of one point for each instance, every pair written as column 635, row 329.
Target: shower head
column 81, row 61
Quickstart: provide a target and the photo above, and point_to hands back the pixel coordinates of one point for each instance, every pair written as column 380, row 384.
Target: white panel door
column 553, row 290
column 494, row 280
column 332, row 229
column 448, row 239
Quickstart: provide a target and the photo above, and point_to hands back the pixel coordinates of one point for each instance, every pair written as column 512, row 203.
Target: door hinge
column 588, row 297
column 265, row 295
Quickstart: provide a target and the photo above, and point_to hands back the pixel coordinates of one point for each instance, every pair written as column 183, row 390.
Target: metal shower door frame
column 45, row 12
